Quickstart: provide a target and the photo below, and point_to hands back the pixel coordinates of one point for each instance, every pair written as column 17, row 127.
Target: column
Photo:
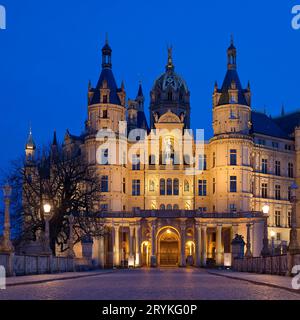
column 248, row 245
column 101, row 252
column 219, row 245
column 204, row 250
column 182, row 251
column 116, row 245
column 137, row 245
column 153, row 259
column 198, row 245
column 131, row 249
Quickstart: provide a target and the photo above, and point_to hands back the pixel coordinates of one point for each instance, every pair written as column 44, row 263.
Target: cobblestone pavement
column 154, row 284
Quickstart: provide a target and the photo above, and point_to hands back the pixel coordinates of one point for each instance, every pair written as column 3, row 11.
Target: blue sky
column 52, row 48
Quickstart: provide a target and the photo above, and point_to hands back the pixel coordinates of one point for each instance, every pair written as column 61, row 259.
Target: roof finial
column 106, row 38
column 231, row 40
column 170, row 65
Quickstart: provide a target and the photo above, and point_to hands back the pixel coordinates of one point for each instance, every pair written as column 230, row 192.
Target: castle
column 163, row 210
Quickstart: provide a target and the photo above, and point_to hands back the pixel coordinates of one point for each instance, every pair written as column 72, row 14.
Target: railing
column 179, row 214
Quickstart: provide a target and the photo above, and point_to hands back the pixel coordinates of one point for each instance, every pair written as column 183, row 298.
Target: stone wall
column 26, row 264
column 277, row 265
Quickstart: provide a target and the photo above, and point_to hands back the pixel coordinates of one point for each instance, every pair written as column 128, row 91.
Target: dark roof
column 107, row 75
column 140, row 92
column 262, row 124
column 289, row 121
column 230, row 76
column 142, row 121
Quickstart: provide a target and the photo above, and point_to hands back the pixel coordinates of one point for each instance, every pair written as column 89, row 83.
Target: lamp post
column 294, row 246
column 265, row 251
column 273, row 242
column 6, row 245
column 47, row 217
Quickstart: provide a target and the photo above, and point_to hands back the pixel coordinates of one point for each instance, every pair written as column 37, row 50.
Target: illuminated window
column 162, row 187
column 162, row 207
column 277, row 168
column 290, row 170
column 233, row 184
column 169, row 207
column 233, row 157
column 202, row 188
column 176, row 187
column 176, row 207
column 169, row 187
column 104, row 184
column 277, row 192
column 277, row 218
column 202, row 162
column 264, row 166
column 136, row 187
column 264, row 190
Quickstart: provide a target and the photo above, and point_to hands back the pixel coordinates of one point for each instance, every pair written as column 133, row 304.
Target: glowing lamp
column 273, row 234
column 47, row 208
column 131, row 262
column 266, row 209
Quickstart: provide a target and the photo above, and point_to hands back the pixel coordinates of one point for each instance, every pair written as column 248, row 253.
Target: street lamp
column 265, row 251
column 273, row 234
column 47, row 210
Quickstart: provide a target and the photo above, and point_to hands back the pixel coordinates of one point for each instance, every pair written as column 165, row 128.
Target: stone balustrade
column 36, row 264
column 277, row 265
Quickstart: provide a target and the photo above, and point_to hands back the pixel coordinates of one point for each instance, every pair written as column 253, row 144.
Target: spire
column 170, row 66
column 30, row 145
column 54, row 143
column 140, row 91
column 231, row 54
column 106, row 55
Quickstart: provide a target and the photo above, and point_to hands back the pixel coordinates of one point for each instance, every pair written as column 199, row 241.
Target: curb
column 57, row 279
column 256, row 282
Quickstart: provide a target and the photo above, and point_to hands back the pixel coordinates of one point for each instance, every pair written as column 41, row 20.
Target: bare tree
column 72, row 187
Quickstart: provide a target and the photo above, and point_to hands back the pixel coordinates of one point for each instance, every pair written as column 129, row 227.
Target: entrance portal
column 169, row 249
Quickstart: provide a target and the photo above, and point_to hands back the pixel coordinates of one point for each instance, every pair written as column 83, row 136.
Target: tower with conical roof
column 106, row 102
column 231, row 103
column 30, row 148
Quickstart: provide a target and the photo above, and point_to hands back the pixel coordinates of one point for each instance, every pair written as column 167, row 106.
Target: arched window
column 186, row 186
column 169, row 187
column 162, row 184
column 176, row 187
column 176, row 207
column 162, row 207
column 169, row 207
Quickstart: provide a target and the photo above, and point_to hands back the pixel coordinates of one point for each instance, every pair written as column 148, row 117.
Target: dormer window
column 170, row 96
column 104, row 114
column 105, row 99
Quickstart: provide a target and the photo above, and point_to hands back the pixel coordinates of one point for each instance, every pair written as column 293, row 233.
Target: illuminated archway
column 168, row 246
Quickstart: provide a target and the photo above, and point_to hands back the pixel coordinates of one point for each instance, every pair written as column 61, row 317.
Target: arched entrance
column 168, row 248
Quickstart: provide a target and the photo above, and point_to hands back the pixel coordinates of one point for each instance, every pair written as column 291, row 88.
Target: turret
column 231, row 103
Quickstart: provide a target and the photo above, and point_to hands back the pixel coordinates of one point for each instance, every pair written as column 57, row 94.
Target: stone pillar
column 265, row 250
column 137, row 245
column 153, row 259
column 204, row 250
column 219, row 245
column 198, row 245
column 116, row 245
column 248, row 244
column 131, row 260
column 101, row 252
column 182, row 251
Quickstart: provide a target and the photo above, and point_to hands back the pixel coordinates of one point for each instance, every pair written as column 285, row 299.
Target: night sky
column 51, row 49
